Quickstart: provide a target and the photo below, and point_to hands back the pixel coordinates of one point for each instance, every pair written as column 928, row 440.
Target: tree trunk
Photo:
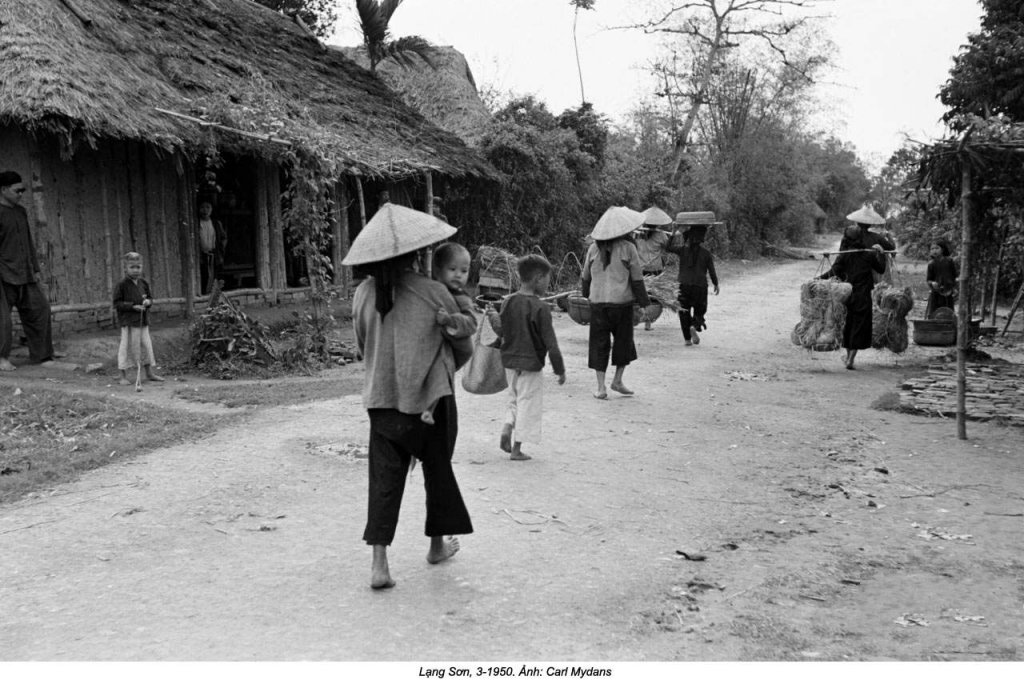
column 683, row 138
column 963, row 310
column 576, row 47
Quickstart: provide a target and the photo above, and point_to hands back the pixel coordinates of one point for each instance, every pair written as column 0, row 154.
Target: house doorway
column 230, row 187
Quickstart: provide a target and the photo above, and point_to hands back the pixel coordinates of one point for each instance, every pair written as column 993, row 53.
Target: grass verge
column 338, row 383
column 51, row 437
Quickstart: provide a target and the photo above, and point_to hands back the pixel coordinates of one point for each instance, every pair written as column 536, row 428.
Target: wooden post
column 339, row 236
column 362, row 202
column 428, row 178
column 278, row 275
column 186, row 232
column 963, row 310
column 262, row 226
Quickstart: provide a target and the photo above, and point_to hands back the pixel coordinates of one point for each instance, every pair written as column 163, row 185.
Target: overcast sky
column 892, row 56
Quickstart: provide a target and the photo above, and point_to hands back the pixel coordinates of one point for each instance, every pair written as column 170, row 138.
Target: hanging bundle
column 889, row 317
column 822, row 314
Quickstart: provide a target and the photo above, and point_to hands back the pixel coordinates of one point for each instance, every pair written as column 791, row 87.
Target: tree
column 318, row 15
column 986, row 76
column 374, row 18
column 577, row 6
column 712, row 28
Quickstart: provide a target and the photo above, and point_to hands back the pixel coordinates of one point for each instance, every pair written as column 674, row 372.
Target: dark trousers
column 207, row 272
column 34, row 312
column 611, row 335
column 693, row 305
column 396, row 438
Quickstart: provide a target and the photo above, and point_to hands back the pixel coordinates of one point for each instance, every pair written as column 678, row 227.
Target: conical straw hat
column 616, row 221
column 656, row 216
column 866, row 215
column 396, row 230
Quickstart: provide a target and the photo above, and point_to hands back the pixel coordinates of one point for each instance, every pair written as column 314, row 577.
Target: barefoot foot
column 124, row 381
column 153, row 377
column 442, row 548
column 600, row 395
column 380, row 575
column 621, row 389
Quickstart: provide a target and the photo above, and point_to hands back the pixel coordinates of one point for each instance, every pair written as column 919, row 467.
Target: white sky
column 893, row 55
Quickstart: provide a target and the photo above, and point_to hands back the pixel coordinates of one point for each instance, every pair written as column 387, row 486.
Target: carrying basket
column 579, row 309
column 655, row 309
column 934, row 332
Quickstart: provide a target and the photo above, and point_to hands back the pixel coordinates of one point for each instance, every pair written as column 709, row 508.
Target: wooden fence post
column 963, row 309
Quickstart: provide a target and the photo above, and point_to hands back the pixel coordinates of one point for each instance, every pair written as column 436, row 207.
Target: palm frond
column 372, row 22
column 406, row 48
column 388, row 7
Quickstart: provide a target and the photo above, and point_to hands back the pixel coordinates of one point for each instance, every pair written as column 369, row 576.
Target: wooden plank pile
column 993, row 391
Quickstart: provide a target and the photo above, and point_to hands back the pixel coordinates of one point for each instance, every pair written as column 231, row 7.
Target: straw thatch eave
column 108, row 78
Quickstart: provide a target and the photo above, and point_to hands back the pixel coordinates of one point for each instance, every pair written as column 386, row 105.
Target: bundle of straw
column 664, row 287
column 889, row 317
column 822, row 314
column 496, row 263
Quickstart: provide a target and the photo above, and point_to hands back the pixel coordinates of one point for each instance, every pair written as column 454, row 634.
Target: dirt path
column 823, row 523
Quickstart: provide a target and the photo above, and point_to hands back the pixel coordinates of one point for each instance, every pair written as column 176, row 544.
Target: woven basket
column 579, row 309
column 934, row 332
column 655, row 309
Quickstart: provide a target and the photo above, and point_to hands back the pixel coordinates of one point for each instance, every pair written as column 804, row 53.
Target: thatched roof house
column 123, row 113
column 443, row 91
column 107, row 78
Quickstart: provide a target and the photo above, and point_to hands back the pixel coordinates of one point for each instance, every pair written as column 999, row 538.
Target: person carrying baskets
column 613, row 281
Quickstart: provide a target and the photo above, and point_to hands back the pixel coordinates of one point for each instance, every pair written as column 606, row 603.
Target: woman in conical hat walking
column 409, row 365
column 613, row 281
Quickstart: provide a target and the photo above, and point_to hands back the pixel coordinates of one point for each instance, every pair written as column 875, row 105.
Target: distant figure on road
column 19, row 279
column 696, row 266
column 651, row 240
column 409, row 364
column 613, row 281
column 857, row 269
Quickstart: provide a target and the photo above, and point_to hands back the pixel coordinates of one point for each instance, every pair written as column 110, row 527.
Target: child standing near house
column 132, row 301
column 942, row 279
column 451, row 267
column 525, row 336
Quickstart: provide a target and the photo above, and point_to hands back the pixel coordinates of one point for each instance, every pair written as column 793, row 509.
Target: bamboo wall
column 87, row 211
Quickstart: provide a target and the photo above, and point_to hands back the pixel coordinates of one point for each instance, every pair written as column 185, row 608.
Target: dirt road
column 829, row 530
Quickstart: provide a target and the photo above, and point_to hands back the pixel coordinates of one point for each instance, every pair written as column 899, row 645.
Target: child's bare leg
column 442, row 548
column 601, row 393
column 517, row 452
column 617, row 381
column 380, row 575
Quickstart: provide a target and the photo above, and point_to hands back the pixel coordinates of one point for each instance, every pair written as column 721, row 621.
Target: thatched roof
column 445, row 94
column 106, row 77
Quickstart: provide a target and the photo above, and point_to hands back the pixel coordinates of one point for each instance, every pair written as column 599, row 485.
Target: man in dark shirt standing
column 19, row 278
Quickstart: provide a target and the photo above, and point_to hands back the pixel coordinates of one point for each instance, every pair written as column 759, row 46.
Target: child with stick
column 132, row 300
column 525, row 335
column 451, row 267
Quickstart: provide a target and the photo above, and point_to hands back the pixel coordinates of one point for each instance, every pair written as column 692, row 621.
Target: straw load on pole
column 822, row 314
column 889, row 317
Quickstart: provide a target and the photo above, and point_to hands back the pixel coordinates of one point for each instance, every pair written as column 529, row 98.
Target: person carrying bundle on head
column 857, row 269
column 696, row 266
